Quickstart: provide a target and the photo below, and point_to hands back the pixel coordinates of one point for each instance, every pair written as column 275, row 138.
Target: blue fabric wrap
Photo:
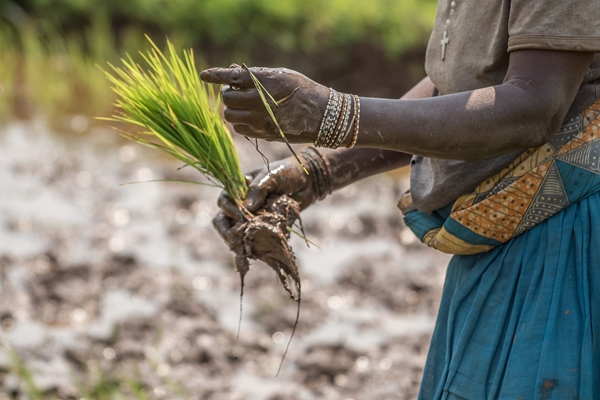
column 420, row 223
column 522, row 321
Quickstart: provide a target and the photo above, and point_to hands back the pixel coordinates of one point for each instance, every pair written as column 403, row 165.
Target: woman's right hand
column 301, row 102
column 286, row 177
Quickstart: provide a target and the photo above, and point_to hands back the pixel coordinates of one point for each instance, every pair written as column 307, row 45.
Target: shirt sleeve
column 568, row 25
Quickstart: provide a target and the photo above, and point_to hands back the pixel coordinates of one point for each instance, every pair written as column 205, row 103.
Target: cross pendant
column 444, row 42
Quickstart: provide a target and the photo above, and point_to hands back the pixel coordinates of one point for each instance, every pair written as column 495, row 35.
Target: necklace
column 445, row 38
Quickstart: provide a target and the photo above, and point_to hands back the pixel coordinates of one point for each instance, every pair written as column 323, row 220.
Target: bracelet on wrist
column 319, row 171
column 340, row 119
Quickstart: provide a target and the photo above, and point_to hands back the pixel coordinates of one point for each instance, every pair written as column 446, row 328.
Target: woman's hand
column 302, row 102
column 286, row 177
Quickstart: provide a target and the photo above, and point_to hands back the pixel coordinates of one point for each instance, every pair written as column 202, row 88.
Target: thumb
column 255, row 198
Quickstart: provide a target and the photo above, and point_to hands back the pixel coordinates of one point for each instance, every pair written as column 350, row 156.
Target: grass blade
column 167, row 99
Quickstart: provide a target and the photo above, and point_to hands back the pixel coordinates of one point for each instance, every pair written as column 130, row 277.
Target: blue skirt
column 522, row 321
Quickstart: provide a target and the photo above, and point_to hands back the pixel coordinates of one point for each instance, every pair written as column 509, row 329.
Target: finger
column 242, row 99
column 227, row 76
column 258, row 127
column 243, row 130
column 223, row 224
column 251, row 132
column 305, row 198
column 243, row 117
column 255, row 197
column 229, row 207
column 246, row 117
column 257, row 190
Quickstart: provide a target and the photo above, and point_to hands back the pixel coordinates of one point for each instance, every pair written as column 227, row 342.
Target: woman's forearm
column 523, row 112
column 349, row 166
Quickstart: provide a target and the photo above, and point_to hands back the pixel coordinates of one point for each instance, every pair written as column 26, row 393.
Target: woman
column 501, row 138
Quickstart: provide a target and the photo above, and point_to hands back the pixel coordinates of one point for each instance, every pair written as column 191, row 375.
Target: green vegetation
column 24, row 374
column 45, row 72
column 239, row 25
column 101, row 387
column 170, row 102
column 49, row 48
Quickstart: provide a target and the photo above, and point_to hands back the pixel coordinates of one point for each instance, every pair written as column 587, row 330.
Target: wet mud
column 131, row 290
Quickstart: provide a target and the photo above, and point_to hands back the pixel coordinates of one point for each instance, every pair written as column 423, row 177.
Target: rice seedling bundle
column 179, row 115
column 170, row 102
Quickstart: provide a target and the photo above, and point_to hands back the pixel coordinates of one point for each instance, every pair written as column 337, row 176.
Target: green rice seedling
column 179, row 115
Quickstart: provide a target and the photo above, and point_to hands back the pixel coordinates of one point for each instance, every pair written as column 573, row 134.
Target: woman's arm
column 524, row 111
column 349, row 166
column 346, row 166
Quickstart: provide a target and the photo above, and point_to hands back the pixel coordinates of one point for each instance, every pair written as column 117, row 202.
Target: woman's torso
column 480, row 35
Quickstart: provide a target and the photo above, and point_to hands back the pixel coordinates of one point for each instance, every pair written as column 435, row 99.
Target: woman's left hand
column 302, row 102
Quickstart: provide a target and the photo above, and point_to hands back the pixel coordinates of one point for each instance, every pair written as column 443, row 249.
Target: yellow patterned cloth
column 536, row 185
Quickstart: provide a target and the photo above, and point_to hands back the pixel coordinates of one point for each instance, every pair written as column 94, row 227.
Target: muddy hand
column 286, row 177
column 302, row 102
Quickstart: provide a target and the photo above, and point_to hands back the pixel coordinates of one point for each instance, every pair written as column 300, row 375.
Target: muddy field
column 127, row 292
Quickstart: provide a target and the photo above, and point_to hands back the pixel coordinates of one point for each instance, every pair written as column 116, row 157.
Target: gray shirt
column 481, row 36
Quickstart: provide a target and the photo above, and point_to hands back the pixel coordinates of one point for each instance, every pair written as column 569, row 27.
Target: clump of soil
column 264, row 237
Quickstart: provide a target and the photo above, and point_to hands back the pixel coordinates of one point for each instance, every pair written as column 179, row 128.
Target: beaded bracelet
column 336, row 124
column 330, row 135
column 343, row 132
column 320, row 172
column 330, row 119
column 340, row 120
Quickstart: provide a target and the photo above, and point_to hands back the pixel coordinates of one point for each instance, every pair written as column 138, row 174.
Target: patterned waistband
column 536, row 185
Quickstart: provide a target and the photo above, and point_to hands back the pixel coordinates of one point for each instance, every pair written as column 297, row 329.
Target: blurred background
column 127, row 292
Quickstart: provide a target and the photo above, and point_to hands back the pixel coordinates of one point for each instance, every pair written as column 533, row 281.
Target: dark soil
column 130, row 288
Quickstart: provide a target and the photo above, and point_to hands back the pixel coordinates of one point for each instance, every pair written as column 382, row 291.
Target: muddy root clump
column 264, row 237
